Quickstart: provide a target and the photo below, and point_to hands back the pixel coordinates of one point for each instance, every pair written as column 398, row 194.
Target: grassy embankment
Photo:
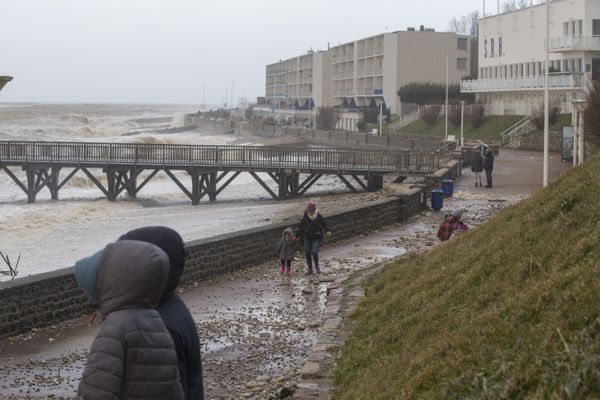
column 509, row 310
column 490, row 129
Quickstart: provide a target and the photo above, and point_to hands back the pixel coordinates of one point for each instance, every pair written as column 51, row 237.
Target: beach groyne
column 53, row 297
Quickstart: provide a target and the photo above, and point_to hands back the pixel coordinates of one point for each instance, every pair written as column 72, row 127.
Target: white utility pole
column 446, row 110
column 462, row 122
column 380, row 118
column 546, row 96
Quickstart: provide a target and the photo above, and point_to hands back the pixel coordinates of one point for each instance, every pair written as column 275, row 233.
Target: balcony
column 558, row 81
column 574, row 43
column 343, row 75
column 369, row 92
column 343, row 92
column 368, row 72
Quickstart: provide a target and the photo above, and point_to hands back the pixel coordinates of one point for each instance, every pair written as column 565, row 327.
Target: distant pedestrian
column 286, row 249
column 133, row 355
column 488, row 166
column 313, row 228
column 477, row 167
column 172, row 309
column 452, row 223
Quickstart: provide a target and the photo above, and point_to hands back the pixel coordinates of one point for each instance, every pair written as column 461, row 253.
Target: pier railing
column 236, row 157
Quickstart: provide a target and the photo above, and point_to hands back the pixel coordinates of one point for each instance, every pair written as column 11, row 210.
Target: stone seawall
column 340, row 138
column 49, row 298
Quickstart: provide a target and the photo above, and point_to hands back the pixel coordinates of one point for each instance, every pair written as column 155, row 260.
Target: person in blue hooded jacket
column 132, row 355
column 173, row 310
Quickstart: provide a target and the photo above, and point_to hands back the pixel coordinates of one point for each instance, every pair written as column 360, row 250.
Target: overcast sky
column 166, row 51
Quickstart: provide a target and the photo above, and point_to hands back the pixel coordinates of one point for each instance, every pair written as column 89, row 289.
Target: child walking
column 286, row 249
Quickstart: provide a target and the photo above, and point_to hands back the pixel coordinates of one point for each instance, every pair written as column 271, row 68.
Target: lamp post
column 462, row 122
column 380, row 118
column 578, row 129
column 446, row 109
column 546, row 96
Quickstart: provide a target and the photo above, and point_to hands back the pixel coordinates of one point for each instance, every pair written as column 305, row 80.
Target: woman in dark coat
column 313, row 227
column 173, row 310
column 477, row 167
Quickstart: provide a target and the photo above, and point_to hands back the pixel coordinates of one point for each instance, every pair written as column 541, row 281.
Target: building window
column 462, row 43
column 596, row 27
column 580, row 27
column 461, row 64
column 515, row 22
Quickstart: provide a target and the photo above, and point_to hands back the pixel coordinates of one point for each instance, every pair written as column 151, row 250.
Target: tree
column 468, row 25
column 592, row 116
column 327, row 118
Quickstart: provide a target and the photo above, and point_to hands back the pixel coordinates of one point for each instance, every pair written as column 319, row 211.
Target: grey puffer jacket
column 287, row 245
column 133, row 355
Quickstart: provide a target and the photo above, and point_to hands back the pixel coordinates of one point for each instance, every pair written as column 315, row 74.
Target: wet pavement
column 257, row 326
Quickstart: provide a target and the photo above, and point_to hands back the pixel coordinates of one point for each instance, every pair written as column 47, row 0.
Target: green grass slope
column 509, row 310
column 491, row 128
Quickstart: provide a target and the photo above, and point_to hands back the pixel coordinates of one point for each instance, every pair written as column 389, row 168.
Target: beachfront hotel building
column 367, row 72
column 512, row 56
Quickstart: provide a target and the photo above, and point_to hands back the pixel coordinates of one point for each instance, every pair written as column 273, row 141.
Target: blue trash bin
column 448, row 187
column 437, row 199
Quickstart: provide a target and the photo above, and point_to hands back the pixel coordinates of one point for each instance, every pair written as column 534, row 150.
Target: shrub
column 361, row 126
column 477, row 112
column 537, row 115
column 431, row 114
column 454, row 114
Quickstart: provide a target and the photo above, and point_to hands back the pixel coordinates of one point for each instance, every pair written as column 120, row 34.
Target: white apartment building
column 301, row 82
column 512, row 56
column 367, row 72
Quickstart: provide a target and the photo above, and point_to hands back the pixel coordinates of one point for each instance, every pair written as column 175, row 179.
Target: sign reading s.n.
column 492, row 48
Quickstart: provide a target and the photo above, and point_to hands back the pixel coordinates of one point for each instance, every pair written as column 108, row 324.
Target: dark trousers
column 311, row 250
column 488, row 178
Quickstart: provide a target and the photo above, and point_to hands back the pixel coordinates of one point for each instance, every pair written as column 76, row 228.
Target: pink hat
column 311, row 206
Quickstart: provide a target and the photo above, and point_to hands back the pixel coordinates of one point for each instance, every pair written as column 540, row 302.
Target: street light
column 446, row 110
column 546, row 96
column 462, row 122
column 578, row 131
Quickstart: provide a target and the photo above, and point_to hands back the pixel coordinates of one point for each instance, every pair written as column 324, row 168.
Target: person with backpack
column 452, row 223
column 314, row 228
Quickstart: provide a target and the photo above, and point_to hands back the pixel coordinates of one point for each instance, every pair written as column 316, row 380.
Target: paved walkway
column 257, row 327
column 516, row 172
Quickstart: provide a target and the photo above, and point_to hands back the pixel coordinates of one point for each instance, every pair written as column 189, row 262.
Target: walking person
column 133, row 355
column 477, row 167
column 286, row 249
column 314, row 228
column 488, row 166
column 172, row 309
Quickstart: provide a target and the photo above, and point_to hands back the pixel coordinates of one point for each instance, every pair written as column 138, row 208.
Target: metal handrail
column 242, row 157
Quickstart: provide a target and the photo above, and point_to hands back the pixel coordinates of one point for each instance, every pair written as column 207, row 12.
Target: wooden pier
column 211, row 168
